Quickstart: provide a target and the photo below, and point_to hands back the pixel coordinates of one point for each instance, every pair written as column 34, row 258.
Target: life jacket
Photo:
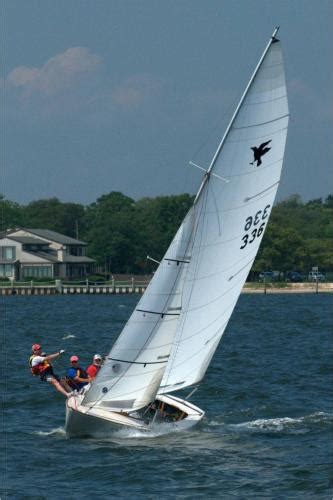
column 40, row 368
column 79, row 373
column 82, row 373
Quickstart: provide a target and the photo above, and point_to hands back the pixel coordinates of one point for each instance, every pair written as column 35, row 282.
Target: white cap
column 98, row 356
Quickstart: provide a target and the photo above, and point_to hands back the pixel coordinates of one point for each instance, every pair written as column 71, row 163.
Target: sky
column 119, row 95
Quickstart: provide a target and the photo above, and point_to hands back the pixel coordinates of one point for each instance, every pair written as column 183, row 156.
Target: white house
column 41, row 253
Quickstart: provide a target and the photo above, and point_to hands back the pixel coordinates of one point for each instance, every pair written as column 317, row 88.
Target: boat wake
column 69, row 336
column 60, row 431
column 156, row 430
column 300, row 425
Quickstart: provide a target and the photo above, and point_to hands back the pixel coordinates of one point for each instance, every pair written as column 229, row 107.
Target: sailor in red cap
column 40, row 366
column 77, row 377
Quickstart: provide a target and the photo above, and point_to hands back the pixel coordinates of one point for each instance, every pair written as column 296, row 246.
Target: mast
column 220, row 146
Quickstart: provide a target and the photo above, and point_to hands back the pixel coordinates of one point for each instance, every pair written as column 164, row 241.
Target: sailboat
column 171, row 336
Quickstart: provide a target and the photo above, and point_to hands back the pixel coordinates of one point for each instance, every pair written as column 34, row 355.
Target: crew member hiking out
column 76, row 376
column 40, row 366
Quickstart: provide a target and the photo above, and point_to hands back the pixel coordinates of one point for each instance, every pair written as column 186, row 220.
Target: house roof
column 78, row 259
column 43, row 255
column 27, row 240
column 54, row 259
column 52, row 236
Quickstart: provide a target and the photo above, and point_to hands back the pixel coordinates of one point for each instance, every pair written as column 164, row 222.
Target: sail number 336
column 254, row 226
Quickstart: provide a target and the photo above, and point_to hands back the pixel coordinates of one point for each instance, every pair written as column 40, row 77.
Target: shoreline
column 136, row 288
column 288, row 288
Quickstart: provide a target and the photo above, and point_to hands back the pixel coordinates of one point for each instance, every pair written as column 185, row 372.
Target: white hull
column 94, row 421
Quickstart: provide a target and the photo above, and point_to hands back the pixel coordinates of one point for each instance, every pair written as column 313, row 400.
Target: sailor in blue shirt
column 76, row 376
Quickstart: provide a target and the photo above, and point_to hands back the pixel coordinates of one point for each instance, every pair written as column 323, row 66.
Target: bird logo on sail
column 259, row 152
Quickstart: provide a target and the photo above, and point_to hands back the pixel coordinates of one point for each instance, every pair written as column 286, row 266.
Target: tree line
column 120, row 231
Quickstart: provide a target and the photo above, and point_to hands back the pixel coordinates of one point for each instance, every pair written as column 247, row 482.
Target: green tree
column 11, row 214
column 329, row 201
column 66, row 218
column 112, row 232
column 282, row 250
column 123, row 232
column 160, row 218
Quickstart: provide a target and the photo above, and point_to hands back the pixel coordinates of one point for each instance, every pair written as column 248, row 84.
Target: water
column 267, row 396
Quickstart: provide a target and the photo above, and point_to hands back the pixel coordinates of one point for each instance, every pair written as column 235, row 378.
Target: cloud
column 135, row 90
column 75, row 84
column 59, row 73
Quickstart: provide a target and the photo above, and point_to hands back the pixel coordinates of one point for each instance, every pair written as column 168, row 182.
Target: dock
column 74, row 288
column 138, row 286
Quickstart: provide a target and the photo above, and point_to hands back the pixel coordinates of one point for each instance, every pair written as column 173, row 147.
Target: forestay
column 231, row 219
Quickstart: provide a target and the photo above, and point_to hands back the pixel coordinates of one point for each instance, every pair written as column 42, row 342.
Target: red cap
column 36, row 347
column 74, row 358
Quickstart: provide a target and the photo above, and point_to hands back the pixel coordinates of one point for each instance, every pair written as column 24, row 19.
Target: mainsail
column 174, row 331
column 233, row 217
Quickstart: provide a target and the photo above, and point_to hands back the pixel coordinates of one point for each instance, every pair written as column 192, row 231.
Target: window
column 76, row 250
column 6, row 270
column 37, row 271
column 7, row 253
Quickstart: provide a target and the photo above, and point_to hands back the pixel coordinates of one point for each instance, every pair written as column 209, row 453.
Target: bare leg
column 65, row 385
column 58, row 386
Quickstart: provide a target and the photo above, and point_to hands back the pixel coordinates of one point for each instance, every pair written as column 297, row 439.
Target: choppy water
column 267, row 396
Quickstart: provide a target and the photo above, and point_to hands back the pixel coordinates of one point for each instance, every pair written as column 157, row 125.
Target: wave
column 158, row 429
column 60, row 431
column 69, row 336
column 285, row 424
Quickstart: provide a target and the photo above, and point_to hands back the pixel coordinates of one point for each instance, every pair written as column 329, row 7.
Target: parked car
column 294, row 276
column 316, row 276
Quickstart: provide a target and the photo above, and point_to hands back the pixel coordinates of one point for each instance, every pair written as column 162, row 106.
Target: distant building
column 41, row 253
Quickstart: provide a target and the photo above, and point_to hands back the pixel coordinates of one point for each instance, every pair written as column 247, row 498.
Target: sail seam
column 240, row 270
column 251, row 172
column 200, row 332
column 236, row 141
column 261, row 192
column 216, row 272
column 215, row 299
column 237, row 207
column 193, row 356
column 262, row 123
column 268, row 66
column 265, row 101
